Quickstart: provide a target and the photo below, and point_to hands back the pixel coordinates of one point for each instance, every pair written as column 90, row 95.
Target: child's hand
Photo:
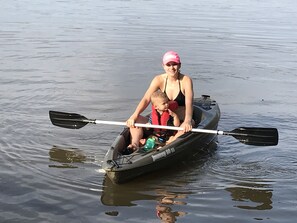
column 176, row 121
column 171, row 113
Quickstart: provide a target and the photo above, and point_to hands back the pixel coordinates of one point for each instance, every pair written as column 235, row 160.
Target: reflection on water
column 164, row 208
column 97, row 58
column 66, row 157
column 123, row 195
column 166, row 214
column 253, row 196
column 128, row 194
column 166, row 188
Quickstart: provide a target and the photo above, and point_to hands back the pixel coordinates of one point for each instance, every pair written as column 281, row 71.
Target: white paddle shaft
column 217, row 132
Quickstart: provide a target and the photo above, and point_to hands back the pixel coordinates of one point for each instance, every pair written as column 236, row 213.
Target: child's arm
column 176, row 121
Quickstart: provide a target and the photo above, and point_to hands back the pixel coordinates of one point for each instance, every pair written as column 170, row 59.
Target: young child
column 163, row 114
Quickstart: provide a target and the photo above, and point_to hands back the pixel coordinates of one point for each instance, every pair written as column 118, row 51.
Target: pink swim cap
column 171, row 56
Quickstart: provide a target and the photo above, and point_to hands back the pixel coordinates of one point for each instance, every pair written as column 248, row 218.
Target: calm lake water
column 96, row 58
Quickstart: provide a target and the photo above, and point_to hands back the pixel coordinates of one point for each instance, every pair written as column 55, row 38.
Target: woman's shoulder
column 160, row 78
column 185, row 77
column 186, row 82
column 157, row 82
column 163, row 75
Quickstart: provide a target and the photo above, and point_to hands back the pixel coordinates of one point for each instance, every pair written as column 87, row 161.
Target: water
column 96, row 58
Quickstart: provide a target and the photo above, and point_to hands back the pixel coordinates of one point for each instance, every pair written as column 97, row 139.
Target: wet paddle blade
column 68, row 120
column 256, row 136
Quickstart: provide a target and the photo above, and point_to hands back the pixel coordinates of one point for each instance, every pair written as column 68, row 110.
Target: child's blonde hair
column 158, row 95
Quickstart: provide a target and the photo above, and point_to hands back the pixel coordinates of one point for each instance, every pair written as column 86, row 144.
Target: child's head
column 160, row 100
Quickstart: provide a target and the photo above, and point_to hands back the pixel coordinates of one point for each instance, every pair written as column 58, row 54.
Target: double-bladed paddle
column 247, row 135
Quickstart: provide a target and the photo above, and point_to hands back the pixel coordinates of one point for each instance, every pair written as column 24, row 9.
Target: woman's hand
column 131, row 122
column 187, row 126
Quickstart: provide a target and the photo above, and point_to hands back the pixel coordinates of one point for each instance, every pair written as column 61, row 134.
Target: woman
column 177, row 86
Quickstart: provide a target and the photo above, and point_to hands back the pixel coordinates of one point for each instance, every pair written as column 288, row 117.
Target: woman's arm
column 189, row 95
column 144, row 102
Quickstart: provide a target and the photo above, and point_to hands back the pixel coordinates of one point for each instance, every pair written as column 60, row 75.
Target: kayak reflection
column 255, row 196
column 146, row 187
column 66, row 157
column 125, row 194
column 167, row 187
column 128, row 194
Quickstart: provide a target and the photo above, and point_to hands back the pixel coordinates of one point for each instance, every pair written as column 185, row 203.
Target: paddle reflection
column 66, row 157
column 254, row 196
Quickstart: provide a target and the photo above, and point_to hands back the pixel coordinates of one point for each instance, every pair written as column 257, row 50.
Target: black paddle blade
column 68, row 120
column 256, row 136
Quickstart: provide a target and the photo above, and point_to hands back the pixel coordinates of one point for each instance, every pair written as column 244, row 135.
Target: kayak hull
column 122, row 168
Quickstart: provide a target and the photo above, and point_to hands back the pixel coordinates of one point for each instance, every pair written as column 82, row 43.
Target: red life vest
column 163, row 119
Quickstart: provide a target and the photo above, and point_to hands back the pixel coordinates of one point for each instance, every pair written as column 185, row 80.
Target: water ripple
column 96, row 58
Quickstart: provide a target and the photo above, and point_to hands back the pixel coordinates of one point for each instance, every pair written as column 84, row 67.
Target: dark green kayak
column 122, row 168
